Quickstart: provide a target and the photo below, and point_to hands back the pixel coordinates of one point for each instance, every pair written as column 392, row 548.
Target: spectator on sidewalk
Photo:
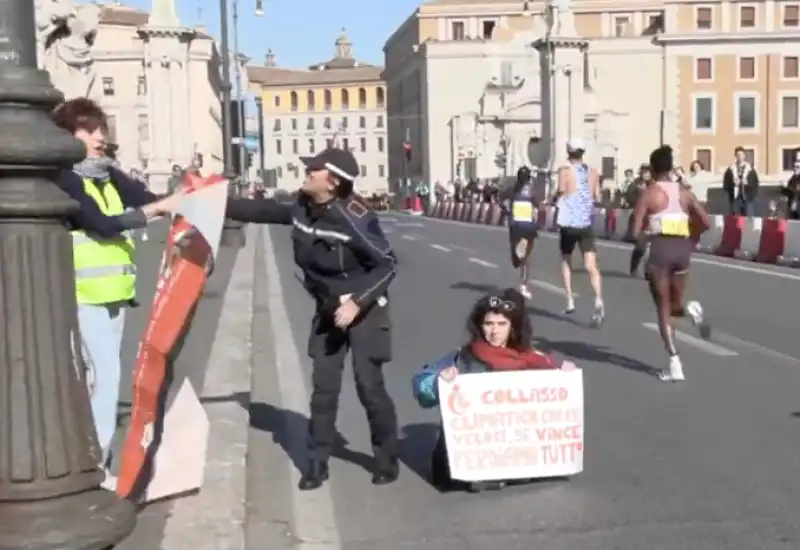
column 110, row 206
column 791, row 190
column 741, row 184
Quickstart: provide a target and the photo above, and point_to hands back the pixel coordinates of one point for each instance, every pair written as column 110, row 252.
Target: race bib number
column 678, row 228
column 522, row 211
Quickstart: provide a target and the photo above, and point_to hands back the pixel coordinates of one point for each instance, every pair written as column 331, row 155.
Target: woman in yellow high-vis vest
column 111, row 205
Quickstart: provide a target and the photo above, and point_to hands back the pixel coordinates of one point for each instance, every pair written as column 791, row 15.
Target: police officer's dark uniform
column 342, row 251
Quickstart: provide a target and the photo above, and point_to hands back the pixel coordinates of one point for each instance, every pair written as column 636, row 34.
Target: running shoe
column 525, row 291
column 599, row 315
column 675, row 371
column 695, row 312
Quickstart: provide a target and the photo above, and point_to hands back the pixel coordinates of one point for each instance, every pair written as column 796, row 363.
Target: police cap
column 337, row 161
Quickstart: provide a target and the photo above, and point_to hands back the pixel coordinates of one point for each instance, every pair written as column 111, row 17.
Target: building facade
column 481, row 87
column 340, row 102
column 159, row 82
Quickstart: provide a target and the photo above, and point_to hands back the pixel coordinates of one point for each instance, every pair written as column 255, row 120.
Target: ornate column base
column 86, row 521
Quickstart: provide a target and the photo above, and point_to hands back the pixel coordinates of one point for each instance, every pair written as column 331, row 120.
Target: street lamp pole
column 260, row 113
column 50, row 495
column 227, row 146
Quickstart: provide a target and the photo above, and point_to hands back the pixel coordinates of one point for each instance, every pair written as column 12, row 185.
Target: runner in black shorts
column 522, row 226
column 672, row 210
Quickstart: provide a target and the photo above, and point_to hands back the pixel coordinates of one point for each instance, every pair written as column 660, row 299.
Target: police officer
column 522, row 225
column 347, row 266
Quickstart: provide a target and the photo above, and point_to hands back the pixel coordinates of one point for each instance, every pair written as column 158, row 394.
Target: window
column 363, row 145
column 327, row 123
column 703, row 18
column 293, row 101
column 327, row 99
column 277, row 101
column 380, row 97
column 791, row 16
column 279, row 171
column 311, row 100
column 704, row 69
column 747, row 112
column 704, row 157
column 381, row 171
column 379, row 121
column 276, row 127
column 112, row 128
column 141, row 86
column 506, row 73
column 789, row 156
column 312, row 145
column 747, row 17
column 362, row 98
column 380, row 145
column 329, row 143
column 310, row 124
column 362, row 170
column 345, row 123
column 362, row 122
column 144, row 128
column 703, row 113
column 345, row 99
column 278, row 147
column 487, row 29
column 293, row 122
column 108, row 87
column 295, row 147
column 457, row 30
column 747, row 68
column 790, row 112
column 621, row 25
column 655, row 23
column 791, row 67
column 346, row 144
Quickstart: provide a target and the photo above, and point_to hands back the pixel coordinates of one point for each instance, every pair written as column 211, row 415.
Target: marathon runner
column 671, row 209
column 522, row 229
column 639, row 246
column 578, row 191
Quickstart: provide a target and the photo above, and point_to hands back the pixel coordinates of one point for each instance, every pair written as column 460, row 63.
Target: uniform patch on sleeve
column 357, row 209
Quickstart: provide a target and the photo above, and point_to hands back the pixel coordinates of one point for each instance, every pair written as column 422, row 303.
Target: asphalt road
column 709, row 464
column 190, row 361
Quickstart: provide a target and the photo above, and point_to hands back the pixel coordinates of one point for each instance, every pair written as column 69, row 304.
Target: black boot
column 313, row 478
column 386, row 472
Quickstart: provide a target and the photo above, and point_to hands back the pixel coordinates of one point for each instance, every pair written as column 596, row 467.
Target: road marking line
column 699, row 343
column 440, row 247
column 388, row 231
column 752, row 346
column 404, row 224
column 482, row 262
column 410, row 237
column 463, row 249
column 548, row 287
column 313, row 518
column 697, row 258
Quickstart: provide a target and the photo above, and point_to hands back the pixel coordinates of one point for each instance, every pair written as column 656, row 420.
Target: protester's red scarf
column 509, row 359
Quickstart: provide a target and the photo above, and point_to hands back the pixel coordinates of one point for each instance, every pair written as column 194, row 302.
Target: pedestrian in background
column 111, row 204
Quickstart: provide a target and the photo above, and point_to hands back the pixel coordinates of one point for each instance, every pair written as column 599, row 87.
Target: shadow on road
column 590, row 352
column 416, row 447
column 283, row 424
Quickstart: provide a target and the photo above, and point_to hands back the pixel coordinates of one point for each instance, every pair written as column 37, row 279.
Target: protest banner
column 513, row 425
column 164, row 450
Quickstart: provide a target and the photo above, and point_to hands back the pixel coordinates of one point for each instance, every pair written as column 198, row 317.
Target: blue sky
column 302, row 32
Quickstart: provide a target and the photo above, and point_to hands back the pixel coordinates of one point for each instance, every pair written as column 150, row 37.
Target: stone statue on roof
column 65, row 35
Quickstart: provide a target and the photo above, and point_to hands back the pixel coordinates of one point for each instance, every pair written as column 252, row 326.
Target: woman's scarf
column 94, row 167
column 509, row 359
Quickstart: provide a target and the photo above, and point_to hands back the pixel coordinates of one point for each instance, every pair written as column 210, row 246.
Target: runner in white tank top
column 672, row 211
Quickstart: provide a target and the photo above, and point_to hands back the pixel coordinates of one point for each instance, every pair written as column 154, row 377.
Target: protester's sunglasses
column 500, row 304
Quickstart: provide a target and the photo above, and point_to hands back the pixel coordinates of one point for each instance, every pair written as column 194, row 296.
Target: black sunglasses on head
column 500, row 304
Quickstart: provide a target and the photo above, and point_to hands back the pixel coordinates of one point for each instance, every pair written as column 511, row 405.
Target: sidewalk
column 216, row 359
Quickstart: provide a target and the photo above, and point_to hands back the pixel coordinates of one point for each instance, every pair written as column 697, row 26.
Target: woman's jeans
column 101, row 328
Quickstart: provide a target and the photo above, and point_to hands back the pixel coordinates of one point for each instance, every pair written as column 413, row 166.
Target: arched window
column 311, row 100
column 345, row 99
column 327, row 99
column 362, row 98
column 293, row 100
column 380, row 97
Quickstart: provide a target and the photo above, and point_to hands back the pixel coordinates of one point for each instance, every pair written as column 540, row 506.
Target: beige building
column 159, row 82
column 483, row 86
column 338, row 102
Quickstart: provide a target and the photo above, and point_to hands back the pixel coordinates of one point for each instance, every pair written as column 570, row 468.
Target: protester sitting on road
column 111, row 204
column 500, row 339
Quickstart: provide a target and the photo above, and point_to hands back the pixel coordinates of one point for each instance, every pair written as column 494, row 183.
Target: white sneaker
column 695, row 312
column 599, row 315
column 525, row 291
column 675, row 371
column 109, row 483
